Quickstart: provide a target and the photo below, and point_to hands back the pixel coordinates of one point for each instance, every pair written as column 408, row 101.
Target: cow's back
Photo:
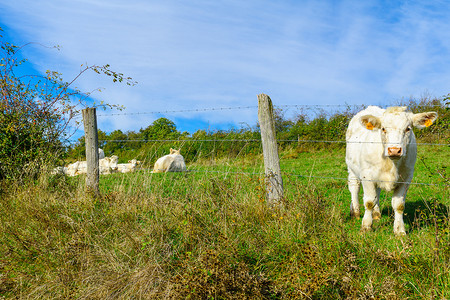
column 177, row 165
column 364, row 149
column 162, row 163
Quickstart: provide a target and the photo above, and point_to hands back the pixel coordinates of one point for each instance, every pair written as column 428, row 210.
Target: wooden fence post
column 91, row 139
column 274, row 181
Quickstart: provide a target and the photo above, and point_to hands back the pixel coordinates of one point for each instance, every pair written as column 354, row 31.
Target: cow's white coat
column 381, row 153
column 129, row 167
column 72, row 168
column 59, row 170
column 107, row 165
column 173, row 162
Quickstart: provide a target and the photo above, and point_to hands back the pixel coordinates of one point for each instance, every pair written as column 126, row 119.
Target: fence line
column 179, row 111
column 190, row 170
column 258, row 140
column 266, row 117
column 243, row 107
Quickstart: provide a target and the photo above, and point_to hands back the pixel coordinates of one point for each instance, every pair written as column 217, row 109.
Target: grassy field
column 208, row 234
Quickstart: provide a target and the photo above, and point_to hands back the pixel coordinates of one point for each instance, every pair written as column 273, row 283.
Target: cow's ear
column 370, row 122
column 425, row 119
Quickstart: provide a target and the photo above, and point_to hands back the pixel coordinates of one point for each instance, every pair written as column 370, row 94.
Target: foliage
column 440, row 131
column 160, row 129
column 35, row 111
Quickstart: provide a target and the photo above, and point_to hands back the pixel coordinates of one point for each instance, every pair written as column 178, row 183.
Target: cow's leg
column 398, row 205
column 353, row 186
column 376, row 214
column 370, row 196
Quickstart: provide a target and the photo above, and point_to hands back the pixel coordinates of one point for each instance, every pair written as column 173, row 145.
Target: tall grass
column 208, row 234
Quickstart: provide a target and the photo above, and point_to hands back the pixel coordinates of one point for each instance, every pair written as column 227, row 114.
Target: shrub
column 34, row 113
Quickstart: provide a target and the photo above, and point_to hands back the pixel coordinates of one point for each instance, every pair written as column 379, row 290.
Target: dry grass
column 211, row 236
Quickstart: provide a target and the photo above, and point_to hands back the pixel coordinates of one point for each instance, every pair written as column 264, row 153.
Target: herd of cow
column 380, row 154
column 173, row 162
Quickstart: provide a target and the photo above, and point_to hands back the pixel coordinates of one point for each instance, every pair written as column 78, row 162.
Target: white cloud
column 195, row 54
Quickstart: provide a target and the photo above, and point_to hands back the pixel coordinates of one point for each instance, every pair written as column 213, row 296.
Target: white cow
column 381, row 153
column 173, row 162
column 107, row 165
column 129, row 167
column 72, row 168
column 59, row 170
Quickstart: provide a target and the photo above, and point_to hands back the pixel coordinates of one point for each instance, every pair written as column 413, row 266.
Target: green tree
column 161, row 129
column 115, row 142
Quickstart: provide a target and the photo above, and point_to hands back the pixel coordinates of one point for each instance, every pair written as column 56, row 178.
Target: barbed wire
column 241, row 108
column 179, row 111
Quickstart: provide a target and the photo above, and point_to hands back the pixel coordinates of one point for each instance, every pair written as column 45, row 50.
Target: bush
column 34, row 113
column 30, row 123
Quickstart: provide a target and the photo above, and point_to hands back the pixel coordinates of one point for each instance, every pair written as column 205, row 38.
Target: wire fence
column 258, row 140
column 262, row 174
column 185, row 140
column 206, row 109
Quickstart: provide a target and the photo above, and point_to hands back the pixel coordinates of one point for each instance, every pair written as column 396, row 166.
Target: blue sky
column 206, row 54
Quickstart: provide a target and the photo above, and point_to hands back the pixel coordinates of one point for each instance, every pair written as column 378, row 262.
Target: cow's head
column 395, row 127
column 113, row 160
column 134, row 162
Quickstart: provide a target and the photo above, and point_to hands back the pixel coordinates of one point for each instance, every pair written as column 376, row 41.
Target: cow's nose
column 395, row 151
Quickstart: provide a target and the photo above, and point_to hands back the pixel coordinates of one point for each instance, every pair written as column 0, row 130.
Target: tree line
column 301, row 132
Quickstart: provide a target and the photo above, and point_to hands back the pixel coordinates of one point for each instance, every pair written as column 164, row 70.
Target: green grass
column 208, row 234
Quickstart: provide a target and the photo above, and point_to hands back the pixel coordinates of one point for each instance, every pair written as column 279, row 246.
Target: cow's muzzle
column 395, row 152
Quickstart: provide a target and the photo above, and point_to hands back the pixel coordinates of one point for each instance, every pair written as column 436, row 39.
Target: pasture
column 207, row 234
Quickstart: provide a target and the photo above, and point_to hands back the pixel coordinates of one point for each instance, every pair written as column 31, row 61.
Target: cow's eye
column 408, row 129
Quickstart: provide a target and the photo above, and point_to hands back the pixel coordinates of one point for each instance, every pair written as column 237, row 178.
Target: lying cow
column 173, row 162
column 59, row 170
column 107, row 165
column 72, row 168
column 381, row 153
column 129, row 167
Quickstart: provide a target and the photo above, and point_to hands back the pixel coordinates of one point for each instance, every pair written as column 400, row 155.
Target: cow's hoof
column 400, row 233
column 366, row 228
column 355, row 214
column 399, row 229
column 376, row 215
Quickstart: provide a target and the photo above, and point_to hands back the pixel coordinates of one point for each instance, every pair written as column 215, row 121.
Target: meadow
column 208, row 234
